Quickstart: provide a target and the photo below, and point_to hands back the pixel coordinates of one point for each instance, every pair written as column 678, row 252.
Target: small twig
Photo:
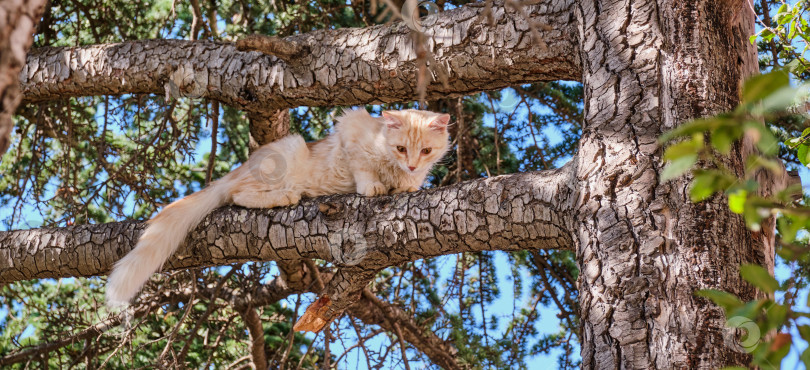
column 253, row 323
column 214, row 128
column 290, row 336
column 189, row 306
column 309, row 351
column 316, row 273
column 459, row 133
column 121, row 345
column 327, row 354
column 402, row 346
column 361, row 341
column 238, row 361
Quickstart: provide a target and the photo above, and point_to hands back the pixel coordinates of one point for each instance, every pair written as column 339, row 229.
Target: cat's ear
column 440, row 123
column 391, row 120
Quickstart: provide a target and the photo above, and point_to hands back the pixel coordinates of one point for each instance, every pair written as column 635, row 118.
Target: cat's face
column 416, row 139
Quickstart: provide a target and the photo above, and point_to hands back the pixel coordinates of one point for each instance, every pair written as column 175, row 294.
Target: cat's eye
column 401, row 149
column 426, row 151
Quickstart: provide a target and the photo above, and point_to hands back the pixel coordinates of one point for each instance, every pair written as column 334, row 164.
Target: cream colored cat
column 367, row 155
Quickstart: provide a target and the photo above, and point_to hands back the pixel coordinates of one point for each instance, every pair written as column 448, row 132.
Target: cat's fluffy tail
column 160, row 240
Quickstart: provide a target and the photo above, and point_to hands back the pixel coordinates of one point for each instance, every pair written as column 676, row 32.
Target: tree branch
column 360, row 235
column 513, row 212
column 254, row 325
column 344, row 67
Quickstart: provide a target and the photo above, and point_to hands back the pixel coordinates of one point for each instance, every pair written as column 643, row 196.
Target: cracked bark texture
column 357, row 233
column 268, row 126
column 18, row 20
column 643, row 247
column 348, row 66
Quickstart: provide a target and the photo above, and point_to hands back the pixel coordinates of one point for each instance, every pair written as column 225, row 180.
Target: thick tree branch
column 515, row 212
column 268, row 126
column 343, row 67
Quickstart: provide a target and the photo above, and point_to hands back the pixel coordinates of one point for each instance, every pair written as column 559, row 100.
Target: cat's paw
column 405, row 189
column 372, row 188
column 292, row 198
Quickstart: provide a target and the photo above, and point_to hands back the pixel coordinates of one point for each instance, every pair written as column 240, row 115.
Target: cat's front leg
column 369, row 184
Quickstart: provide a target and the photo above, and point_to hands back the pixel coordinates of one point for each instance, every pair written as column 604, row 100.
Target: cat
column 367, row 155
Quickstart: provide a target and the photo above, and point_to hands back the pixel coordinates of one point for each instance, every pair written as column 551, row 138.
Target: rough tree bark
column 515, row 212
column 18, row 20
column 642, row 247
column 347, row 66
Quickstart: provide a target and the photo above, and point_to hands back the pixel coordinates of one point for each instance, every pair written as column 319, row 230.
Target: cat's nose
column 411, row 168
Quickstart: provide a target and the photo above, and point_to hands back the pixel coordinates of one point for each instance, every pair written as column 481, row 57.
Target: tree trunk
column 643, row 247
column 18, row 20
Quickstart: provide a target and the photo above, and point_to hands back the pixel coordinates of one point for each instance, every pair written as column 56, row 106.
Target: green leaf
column 753, row 217
column 707, row 182
column 724, row 136
column 697, row 126
column 804, row 332
column 767, row 35
column 789, row 227
column 782, row 343
column 778, row 100
column 793, row 142
column 795, row 66
column 803, row 153
column 736, row 201
column 775, row 316
column 678, row 167
column 792, row 33
column 684, row 148
column 759, row 277
column 723, row 299
column 758, row 87
column 702, row 187
column 755, row 162
column 749, row 310
column 805, row 357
